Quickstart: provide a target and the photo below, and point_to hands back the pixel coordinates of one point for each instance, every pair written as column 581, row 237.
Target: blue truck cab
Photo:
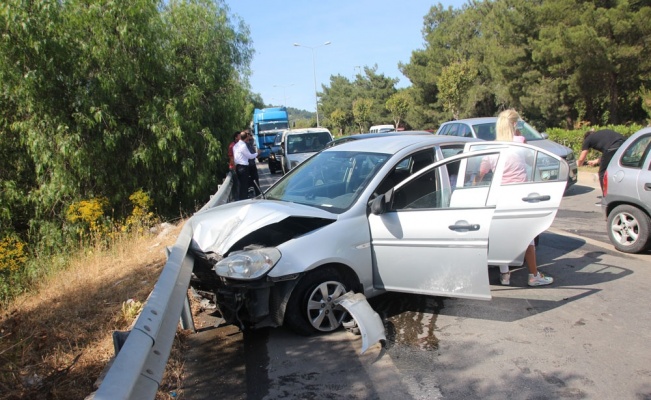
column 267, row 122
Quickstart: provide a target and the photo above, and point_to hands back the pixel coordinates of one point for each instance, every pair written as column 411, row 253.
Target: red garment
column 231, row 158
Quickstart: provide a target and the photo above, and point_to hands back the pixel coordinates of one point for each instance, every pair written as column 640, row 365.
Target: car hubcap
column 625, row 229
column 323, row 313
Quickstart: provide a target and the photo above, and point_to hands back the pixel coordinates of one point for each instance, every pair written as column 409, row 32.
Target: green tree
column 362, row 113
column 594, row 54
column 104, row 98
column 339, row 118
column 399, row 105
column 454, row 82
column 378, row 88
column 645, row 96
column 338, row 95
column 372, row 86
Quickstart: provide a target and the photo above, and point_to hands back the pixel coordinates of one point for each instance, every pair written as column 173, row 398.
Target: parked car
column 382, row 128
column 484, row 128
column 369, row 135
column 274, row 162
column 400, row 213
column 627, row 194
column 299, row 144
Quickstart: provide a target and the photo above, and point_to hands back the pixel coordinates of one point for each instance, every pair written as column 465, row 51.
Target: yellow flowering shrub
column 12, row 254
column 140, row 216
column 88, row 213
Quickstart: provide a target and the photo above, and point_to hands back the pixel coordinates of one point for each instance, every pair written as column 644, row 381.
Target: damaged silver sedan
column 401, row 213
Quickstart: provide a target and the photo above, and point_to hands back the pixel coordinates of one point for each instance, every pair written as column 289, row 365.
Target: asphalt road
column 584, row 337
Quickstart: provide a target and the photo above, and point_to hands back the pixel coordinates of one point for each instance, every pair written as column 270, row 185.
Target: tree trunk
column 614, row 101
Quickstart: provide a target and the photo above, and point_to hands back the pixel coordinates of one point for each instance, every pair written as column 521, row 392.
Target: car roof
column 370, row 135
column 391, row 144
column 639, row 133
column 305, row 130
column 472, row 121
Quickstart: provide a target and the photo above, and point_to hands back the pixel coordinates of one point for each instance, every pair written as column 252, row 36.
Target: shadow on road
column 577, row 190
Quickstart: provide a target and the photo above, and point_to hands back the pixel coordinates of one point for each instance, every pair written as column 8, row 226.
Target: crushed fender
column 369, row 322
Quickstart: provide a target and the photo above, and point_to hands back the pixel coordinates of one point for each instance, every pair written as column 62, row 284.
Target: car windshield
column 529, row 132
column 273, row 125
column 331, row 180
column 307, row 142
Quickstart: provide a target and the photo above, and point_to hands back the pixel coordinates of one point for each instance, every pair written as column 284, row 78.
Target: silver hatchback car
column 627, row 194
column 484, row 128
column 399, row 213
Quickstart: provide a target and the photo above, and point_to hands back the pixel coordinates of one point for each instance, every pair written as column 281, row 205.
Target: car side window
column 444, row 130
column 451, row 150
column 485, row 131
column 453, row 130
column 636, row 153
column 405, row 168
column 521, row 165
column 438, row 188
column 464, row 131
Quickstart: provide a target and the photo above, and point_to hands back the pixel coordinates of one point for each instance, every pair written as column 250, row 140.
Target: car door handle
column 463, row 226
column 535, row 198
column 647, row 186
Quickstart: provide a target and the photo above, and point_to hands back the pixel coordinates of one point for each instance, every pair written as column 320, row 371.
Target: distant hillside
column 296, row 114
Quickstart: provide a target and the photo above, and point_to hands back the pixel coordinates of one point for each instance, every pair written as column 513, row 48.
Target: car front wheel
column 628, row 229
column 312, row 307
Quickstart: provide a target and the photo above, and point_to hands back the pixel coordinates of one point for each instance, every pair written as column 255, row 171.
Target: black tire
column 308, row 311
column 628, row 229
column 272, row 170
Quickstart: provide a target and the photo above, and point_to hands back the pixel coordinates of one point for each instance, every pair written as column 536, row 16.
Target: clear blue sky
column 361, row 32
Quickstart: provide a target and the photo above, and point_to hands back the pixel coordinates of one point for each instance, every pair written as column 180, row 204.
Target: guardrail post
column 186, row 316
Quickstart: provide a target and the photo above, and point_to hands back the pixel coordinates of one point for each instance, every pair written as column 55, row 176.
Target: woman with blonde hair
column 506, row 131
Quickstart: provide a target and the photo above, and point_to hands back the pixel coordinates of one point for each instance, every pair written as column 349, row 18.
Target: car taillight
column 605, row 182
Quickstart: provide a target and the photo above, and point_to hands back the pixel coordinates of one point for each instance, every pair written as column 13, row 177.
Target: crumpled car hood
column 216, row 230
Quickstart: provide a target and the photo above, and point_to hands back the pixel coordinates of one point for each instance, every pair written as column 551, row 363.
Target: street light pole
column 316, row 96
column 284, row 93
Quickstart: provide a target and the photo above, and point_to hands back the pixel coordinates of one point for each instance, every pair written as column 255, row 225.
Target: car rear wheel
column 628, row 229
column 311, row 308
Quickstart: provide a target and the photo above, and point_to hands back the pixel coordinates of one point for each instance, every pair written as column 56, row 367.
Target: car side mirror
column 379, row 204
column 544, row 135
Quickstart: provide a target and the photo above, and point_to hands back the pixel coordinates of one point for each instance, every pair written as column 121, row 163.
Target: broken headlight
column 248, row 264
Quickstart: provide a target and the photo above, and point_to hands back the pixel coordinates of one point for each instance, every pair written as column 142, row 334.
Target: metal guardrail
column 137, row 369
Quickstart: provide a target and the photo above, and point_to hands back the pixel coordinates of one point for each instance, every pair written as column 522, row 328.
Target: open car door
column 429, row 235
column 524, row 208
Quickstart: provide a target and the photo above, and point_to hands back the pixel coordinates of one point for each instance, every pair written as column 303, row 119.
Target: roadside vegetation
column 55, row 340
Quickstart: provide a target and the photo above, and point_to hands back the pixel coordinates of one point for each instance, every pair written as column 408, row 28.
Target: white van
column 299, row 144
column 382, row 128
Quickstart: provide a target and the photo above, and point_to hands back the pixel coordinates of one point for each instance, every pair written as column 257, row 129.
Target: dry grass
column 56, row 340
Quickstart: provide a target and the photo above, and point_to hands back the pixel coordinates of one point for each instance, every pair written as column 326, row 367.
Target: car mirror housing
column 379, row 204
